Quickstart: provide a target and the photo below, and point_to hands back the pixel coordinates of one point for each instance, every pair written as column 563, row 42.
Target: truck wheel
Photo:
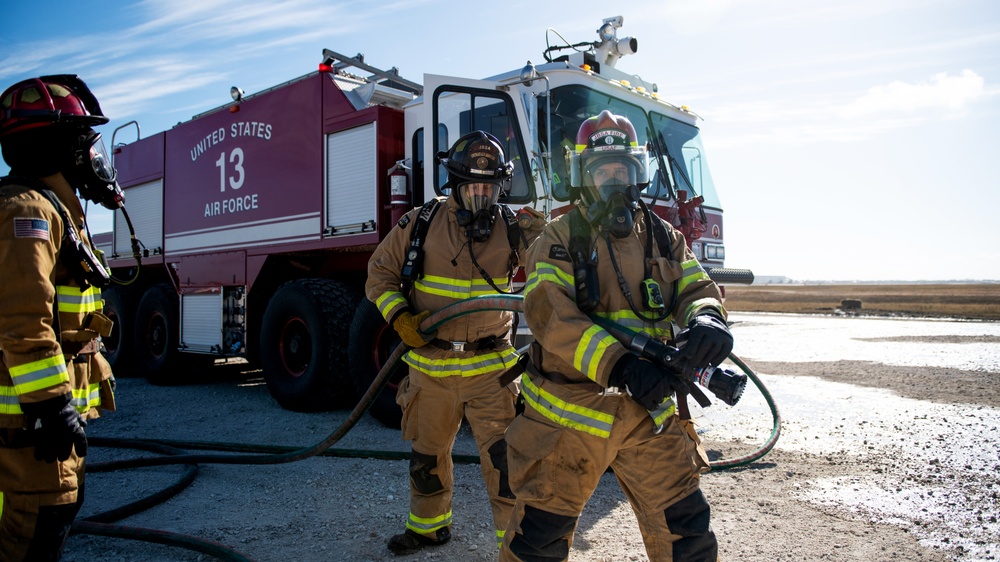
column 303, row 344
column 372, row 341
column 119, row 306
column 156, row 333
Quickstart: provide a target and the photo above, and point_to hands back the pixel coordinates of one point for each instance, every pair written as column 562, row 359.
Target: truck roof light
column 323, row 67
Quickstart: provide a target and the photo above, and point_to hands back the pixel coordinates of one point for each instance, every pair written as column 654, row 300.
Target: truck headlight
column 715, row 252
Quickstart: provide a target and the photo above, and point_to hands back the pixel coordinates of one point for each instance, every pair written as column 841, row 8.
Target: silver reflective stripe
column 34, row 376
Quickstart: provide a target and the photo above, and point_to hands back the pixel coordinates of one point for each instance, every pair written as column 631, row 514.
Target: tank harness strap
column 414, row 262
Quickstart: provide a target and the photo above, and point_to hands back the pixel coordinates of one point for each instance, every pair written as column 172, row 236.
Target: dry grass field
column 966, row 301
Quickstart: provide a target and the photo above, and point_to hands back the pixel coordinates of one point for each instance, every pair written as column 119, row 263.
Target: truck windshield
column 571, row 106
column 679, row 147
column 674, row 145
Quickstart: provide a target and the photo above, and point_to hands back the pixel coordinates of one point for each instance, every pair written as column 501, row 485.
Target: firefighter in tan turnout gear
column 590, row 403
column 52, row 377
column 444, row 252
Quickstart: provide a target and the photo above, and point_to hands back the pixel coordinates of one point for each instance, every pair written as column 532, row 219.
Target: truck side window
column 460, row 110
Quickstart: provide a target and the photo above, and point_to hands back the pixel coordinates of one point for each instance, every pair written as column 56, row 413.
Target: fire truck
column 257, row 218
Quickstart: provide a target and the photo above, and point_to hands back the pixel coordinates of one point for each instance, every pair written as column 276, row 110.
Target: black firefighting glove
column 707, row 341
column 57, row 428
column 647, row 383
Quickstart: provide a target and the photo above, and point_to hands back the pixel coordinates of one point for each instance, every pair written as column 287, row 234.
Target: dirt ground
column 345, row 508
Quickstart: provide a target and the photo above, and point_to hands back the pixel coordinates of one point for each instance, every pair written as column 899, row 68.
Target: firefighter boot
column 412, row 541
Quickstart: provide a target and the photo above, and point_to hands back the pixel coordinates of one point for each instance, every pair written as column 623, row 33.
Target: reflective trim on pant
column 555, row 469
column 433, row 408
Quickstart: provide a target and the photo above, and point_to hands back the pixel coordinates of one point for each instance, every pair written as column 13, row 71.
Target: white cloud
column 941, row 92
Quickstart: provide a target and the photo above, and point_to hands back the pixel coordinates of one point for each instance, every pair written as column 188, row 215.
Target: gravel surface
column 876, row 461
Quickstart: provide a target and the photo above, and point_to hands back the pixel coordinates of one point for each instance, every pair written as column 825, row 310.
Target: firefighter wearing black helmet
column 52, row 377
column 590, row 403
column 471, row 246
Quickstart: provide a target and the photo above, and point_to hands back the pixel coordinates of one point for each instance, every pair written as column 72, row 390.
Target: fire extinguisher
column 399, row 191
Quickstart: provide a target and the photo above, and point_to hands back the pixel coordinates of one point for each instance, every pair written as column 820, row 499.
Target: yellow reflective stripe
column 428, row 524
column 44, row 373
column 388, row 302
column 1, row 506
column 691, row 272
column 590, row 350
column 547, row 272
column 699, row 304
column 457, row 288
column 9, row 404
column 573, row 416
column 86, row 398
column 632, row 321
column 72, row 300
column 463, row 366
column 663, row 411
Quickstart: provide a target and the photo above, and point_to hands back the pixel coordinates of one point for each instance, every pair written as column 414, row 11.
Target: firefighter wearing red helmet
column 52, row 376
column 473, row 247
column 591, row 404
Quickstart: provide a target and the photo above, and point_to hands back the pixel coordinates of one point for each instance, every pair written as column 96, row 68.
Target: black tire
column 119, row 306
column 303, row 344
column 372, row 341
column 156, row 336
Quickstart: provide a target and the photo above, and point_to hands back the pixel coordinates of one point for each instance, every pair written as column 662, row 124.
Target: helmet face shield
column 597, row 178
column 478, row 196
column 100, row 162
column 92, row 173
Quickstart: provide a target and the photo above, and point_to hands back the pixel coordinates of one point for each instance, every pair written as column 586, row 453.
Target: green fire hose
column 99, row 524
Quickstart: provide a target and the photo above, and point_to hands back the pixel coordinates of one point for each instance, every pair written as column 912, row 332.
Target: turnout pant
column 38, row 500
column 433, row 408
column 555, row 468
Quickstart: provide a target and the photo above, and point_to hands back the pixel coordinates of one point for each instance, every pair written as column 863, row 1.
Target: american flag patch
column 31, row 228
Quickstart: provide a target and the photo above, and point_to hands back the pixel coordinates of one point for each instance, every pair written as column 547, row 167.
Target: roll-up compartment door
column 351, row 181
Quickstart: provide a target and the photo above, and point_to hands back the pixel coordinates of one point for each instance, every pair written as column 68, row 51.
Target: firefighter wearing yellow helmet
column 52, row 376
column 590, row 403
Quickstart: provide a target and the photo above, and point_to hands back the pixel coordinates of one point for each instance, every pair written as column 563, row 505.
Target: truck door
column 456, row 106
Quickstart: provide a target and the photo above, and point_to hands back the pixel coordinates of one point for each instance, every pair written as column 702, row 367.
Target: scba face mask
column 610, row 185
column 92, row 174
column 478, row 201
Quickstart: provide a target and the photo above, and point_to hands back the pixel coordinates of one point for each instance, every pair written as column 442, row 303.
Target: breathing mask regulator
column 477, row 173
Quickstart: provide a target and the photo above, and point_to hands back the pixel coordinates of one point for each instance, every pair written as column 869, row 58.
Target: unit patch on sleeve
column 405, row 220
column 558, row 252
column 31, row 228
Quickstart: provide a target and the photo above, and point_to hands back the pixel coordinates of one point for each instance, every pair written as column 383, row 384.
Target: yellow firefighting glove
column 408, row 327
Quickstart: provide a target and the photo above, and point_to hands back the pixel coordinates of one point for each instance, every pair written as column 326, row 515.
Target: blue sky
column 849, row 140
